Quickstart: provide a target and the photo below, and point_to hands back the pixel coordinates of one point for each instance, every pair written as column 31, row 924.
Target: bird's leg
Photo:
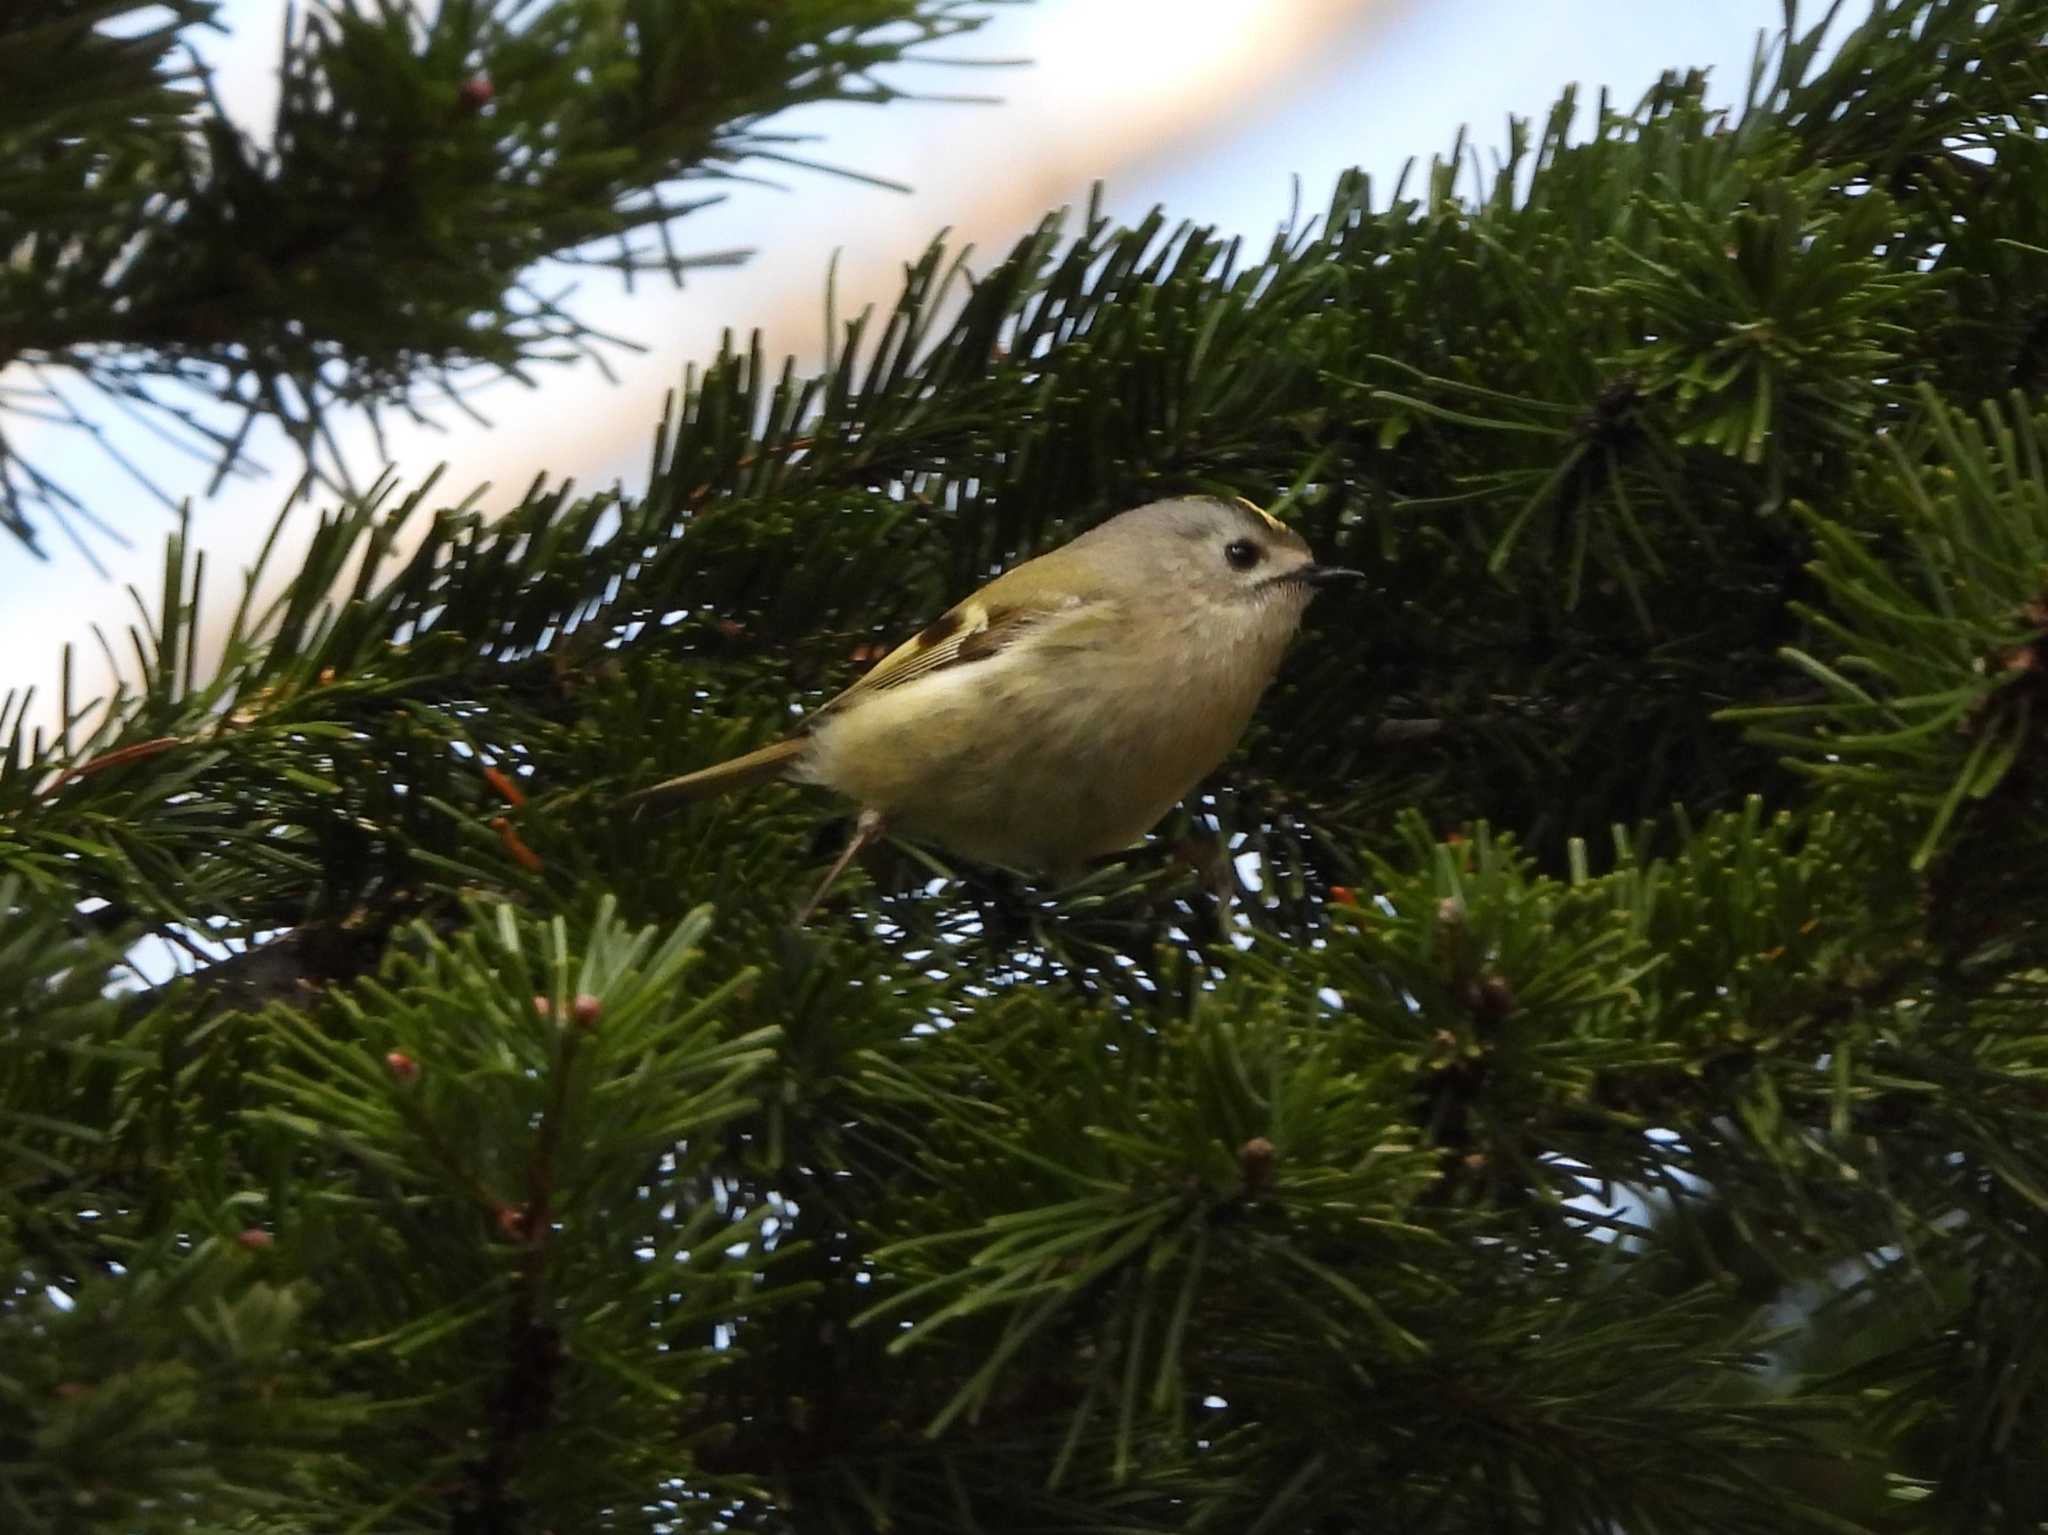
column 867, row 830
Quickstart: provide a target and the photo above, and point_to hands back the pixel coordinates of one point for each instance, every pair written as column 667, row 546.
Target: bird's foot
column 869, row 829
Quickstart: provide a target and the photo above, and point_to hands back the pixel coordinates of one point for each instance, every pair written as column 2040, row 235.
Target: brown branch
column 524, row 1399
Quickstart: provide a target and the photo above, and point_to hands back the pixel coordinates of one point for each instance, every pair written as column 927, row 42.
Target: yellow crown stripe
column 1270, row 520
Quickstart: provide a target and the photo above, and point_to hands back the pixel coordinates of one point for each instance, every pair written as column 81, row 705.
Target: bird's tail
column 755, row 767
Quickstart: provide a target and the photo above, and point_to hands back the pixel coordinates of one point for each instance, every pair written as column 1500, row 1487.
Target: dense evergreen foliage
column 1579, row 1067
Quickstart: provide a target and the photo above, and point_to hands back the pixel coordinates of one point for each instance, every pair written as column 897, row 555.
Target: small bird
column 1058, row 713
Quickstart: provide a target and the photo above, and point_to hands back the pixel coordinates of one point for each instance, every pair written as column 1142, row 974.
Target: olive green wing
column 972, row 631
column 983, row 626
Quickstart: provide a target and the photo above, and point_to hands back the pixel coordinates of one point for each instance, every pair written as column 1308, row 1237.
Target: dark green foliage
column 1941, row 607
column 1578, row 1068
column 378, row 250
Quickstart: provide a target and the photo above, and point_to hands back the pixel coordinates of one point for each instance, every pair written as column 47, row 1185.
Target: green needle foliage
column 382, row 248
column 1579, row 1067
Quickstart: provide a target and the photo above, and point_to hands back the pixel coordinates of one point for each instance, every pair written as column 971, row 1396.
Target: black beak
column 1325, row 575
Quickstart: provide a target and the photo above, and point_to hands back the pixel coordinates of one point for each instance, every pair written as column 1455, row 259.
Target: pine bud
column 1496, row 999
column 255, row 1239
column 586, row 1010
column 1447, row 942
column 403, row 1068
column 1256, row 1159
column 474, row 94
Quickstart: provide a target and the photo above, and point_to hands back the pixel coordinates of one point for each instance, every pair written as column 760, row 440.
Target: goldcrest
column 1058, row 713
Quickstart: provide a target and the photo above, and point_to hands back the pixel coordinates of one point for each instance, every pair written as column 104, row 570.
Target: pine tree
column 1578, row 1067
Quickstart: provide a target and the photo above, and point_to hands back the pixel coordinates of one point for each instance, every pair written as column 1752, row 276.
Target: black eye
column 1242, row 553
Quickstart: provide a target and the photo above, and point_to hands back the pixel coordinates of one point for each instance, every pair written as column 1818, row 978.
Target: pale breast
column 1045, row 756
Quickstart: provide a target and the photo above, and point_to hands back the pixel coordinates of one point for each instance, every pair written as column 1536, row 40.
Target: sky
column 1214, row 109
